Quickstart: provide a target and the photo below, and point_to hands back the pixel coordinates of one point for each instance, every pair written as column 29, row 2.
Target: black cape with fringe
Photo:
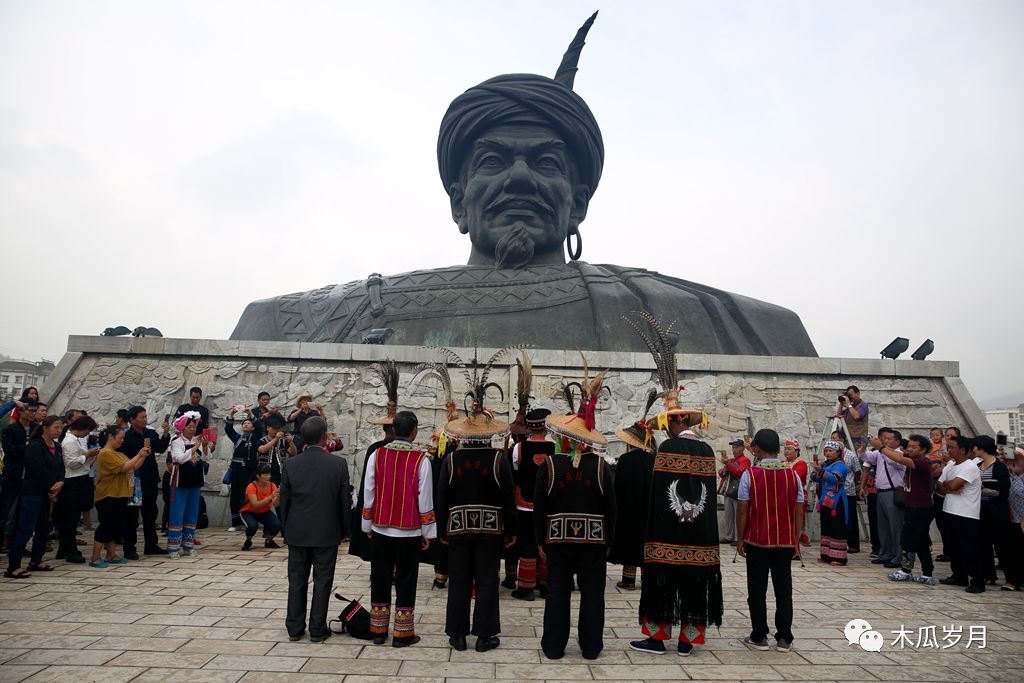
column 682, row 575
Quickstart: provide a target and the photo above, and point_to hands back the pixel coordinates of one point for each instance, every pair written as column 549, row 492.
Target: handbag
column 732, row 489
column 898, row 492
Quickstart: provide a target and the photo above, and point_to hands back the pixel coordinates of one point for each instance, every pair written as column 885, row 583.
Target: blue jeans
column 33, row 520
column 181, row 527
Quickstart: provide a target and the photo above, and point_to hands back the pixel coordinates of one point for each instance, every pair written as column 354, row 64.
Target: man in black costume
column 574, row 522
column 387, row 372
column 475, row 512
column 527, row 458
column 682, row 571
column 633, row 472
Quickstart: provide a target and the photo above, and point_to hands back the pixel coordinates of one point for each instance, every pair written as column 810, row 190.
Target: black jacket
column 42, row 468
column 315, row 499
column 574, row 505
column 133, row 443
column 476, row 496
column 245, row 455
column 14, row 439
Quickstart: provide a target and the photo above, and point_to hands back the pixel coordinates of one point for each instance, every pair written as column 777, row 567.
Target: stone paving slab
column 219, row 618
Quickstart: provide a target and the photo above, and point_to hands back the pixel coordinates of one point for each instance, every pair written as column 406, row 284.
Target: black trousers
column 852, row 526
column 993, row 536
column 147, row 511
column 876, row 544
column 588, row 563
column 394, row 560
column 965, row 549
column 940, row 522
column 473, row 561
column 300, row 560
column 915, row 538
column 113, row 516
column 760, row 563
column 238, row 486
column 68, row 511
column 1013, row 564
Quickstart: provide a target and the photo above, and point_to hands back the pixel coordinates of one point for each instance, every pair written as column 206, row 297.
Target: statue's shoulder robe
column 578, row 305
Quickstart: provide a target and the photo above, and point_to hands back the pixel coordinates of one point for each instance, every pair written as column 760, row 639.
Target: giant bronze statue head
column 520, row 155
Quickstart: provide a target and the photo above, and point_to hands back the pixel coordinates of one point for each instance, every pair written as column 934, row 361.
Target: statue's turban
column 514, row 99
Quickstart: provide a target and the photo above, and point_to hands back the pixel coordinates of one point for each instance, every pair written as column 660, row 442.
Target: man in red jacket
column 770, row 521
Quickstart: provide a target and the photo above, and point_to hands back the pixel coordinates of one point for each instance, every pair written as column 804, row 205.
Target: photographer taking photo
column 854, row 412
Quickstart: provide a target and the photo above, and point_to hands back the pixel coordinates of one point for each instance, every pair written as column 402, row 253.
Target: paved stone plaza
column 221, row 618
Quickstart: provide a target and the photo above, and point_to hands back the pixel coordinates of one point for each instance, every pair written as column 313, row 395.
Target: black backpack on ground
column 354, row 619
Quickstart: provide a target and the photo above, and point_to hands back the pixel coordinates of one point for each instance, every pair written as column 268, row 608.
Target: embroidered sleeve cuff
column 427, row 518
column 367, row 513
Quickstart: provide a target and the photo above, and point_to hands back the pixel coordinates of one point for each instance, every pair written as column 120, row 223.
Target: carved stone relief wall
column 797, row 404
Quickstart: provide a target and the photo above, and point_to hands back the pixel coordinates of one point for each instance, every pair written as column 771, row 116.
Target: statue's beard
column 515, row 248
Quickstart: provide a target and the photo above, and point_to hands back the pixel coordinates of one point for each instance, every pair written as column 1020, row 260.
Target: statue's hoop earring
column 574, row 255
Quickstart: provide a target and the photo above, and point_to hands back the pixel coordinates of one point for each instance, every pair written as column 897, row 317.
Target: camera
column 843, row 398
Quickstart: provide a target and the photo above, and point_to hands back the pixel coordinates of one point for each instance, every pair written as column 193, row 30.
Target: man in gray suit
column 314, row 510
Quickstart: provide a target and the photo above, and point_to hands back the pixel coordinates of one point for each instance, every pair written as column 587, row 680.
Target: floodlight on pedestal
column 924, row 350
column 896, row 347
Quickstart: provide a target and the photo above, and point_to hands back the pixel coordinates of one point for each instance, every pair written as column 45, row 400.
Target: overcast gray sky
column 860, row 163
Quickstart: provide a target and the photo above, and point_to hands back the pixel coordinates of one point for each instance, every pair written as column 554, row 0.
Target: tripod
column 838, row 424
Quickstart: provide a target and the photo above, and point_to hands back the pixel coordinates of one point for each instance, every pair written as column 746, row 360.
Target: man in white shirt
column 398, row 512
column 960, row 481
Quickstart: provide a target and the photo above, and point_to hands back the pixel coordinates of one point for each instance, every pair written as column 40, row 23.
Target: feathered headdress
column 639, row 434
column 581, row 426
column 658, row 340
column 479, row 424
column 524, row 387
column 440, row 372
column 387, row 373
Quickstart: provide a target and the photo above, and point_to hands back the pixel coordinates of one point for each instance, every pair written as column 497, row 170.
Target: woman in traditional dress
column 832, row 506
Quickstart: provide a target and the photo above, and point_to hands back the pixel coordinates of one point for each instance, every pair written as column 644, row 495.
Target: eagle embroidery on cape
column 684, row 509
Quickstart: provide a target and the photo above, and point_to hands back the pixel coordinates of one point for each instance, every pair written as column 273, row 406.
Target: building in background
column 1007, row 421
column 17, row 375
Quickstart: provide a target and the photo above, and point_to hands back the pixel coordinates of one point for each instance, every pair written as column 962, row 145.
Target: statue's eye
column 489, row 162
column 549, row 163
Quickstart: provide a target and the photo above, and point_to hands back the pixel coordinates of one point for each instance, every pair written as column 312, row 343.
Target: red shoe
column 197, row 542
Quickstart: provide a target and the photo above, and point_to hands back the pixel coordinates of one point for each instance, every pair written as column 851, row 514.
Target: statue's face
column 519, row 181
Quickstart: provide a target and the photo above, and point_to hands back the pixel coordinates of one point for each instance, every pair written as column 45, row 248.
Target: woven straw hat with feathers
column 580, row 426
column 438, row 371
column 479, row 424
column 656, row 338
column 638, row 434
column 387, row 372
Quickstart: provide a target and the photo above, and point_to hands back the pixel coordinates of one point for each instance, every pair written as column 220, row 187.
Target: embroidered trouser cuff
column 380, row 618
column 527, row 574
column 404, row 628
column 688, row 633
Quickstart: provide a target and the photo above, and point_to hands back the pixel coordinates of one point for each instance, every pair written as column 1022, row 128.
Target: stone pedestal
column 792, row 395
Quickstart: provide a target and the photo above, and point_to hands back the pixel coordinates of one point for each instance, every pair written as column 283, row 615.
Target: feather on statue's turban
column 517, row 99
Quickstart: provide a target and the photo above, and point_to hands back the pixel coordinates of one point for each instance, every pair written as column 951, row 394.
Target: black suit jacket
column 315, row 499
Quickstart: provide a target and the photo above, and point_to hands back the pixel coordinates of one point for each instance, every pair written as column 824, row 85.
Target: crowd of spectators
column 57, row 469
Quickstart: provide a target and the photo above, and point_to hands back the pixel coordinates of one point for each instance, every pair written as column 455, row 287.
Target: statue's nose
column 520, row 177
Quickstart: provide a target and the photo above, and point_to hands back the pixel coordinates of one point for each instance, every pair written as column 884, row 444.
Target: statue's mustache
column 534, row 203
